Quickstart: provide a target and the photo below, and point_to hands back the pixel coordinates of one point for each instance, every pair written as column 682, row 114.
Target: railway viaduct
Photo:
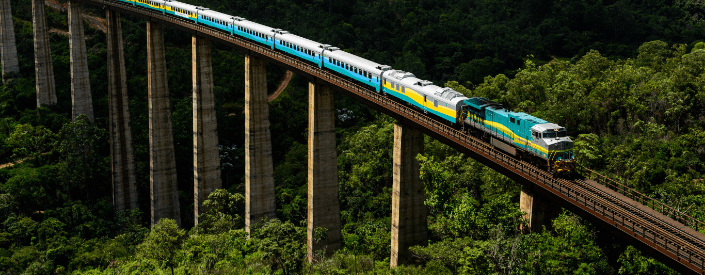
column 657, row 229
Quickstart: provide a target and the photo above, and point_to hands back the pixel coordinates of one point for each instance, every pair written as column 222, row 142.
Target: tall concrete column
column 8, row 48
column 80, row 80
column 122, row 159
column 539, row 211
column 409, row 214
column 206, row 155
column 162, row 174
column 323, row 203
column 259, row 175
column 46, row 87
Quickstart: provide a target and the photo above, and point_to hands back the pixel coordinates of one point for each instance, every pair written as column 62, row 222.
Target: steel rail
column 618, row 203
column 643, row 199
column 681, row 251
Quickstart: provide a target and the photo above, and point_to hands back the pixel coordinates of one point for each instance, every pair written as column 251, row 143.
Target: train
column 524, row 136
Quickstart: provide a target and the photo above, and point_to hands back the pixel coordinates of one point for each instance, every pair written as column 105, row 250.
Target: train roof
column 479, row 102
column 356, row 61
column 216, row 15
column 443, row 93
column 424, row 86
column 300, row 41
column 181, row 5
column 254, row 26
column 547, row 126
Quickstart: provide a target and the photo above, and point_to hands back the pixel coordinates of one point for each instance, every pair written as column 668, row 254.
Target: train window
column 518, row 122
column 511, row 119
column 403, row 90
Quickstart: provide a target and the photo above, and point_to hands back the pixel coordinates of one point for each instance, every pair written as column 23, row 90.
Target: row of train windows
column 148, row 2
column 350, row 68
column 252, row 32
column 297, row 48
column 182, row 11
column 216, row 21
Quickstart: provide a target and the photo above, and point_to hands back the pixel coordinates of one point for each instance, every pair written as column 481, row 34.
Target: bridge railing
column 643, row 199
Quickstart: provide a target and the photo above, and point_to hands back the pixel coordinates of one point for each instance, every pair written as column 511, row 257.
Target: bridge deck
column 670, row 241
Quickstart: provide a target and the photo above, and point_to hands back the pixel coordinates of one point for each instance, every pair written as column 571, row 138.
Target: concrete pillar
column 259, row 175
column 206, row 155
column 121, row 150
column 539, row 211
column 80, row 80
column 409, row 222
column 162, row 173
column 323, row 203
column 8, row 48
column 46, row 88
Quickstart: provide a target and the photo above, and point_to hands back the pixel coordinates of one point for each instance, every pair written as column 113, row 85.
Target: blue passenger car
column 359, row 69
column 298, row 46
column 253, row 31
column 216, row 20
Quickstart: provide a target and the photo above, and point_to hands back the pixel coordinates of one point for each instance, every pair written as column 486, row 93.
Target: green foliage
column 586, row 150
column 280, row 244
column 162, row 243
column 29, row 141
column 82, row 162
column 365, row 172
column 571, row 249
column 222, row 212
column 699, row 46
column 633, row 262
column 461, row 255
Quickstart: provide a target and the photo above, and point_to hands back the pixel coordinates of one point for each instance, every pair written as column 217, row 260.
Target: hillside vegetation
column 627, row 78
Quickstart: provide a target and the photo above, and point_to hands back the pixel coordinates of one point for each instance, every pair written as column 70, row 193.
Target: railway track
column 662, row 230
column 646, row 222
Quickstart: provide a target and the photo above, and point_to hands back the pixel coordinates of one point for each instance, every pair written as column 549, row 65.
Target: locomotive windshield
column 555, row 133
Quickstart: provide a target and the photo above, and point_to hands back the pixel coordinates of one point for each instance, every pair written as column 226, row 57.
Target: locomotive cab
column 557, row 147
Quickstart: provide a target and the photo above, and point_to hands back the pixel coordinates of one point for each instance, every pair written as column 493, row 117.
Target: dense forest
column 626, row 78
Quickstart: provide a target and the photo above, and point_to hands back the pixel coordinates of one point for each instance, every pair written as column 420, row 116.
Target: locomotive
column 519, row 134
